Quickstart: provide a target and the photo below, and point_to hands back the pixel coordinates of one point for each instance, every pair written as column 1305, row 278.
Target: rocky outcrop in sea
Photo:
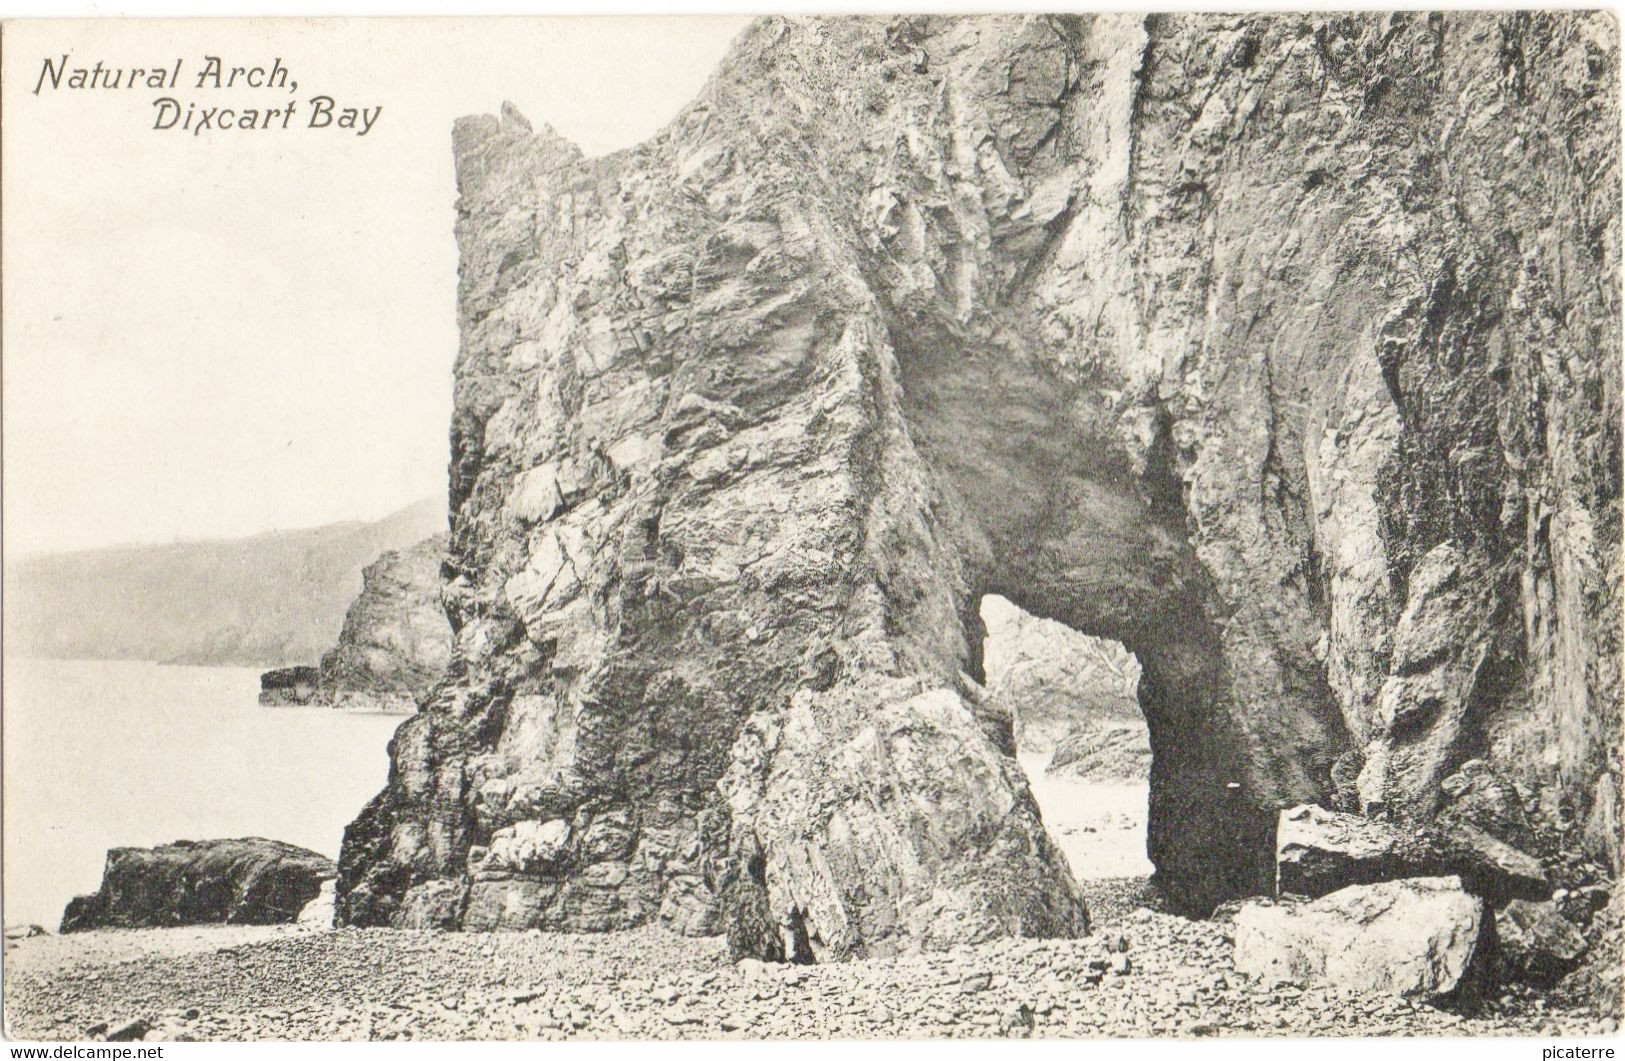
column 289, row 686
column 396, row 643
column 1282, row 349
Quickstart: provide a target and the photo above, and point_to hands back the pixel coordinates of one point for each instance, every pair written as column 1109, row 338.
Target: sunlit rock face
column 1054, row 681
column 395, row 643
column 1281, row 349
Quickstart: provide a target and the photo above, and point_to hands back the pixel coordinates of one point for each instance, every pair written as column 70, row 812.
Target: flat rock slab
column 1318, row 851
column 1417, row 938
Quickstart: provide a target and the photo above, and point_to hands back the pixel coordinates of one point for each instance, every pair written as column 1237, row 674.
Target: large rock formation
column 395, row 644
column 1282, row 349
column 192, row 882
column 393, row 648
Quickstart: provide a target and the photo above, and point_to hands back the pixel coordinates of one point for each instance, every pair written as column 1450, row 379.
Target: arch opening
column 1136, row 778
column 1080, row 736
column 1043, row 507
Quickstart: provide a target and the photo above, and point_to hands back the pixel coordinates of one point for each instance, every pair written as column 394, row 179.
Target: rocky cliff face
column 1282, row 349
column 395, row 643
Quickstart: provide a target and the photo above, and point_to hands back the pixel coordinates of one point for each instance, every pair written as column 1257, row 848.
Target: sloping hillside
column 271, row 599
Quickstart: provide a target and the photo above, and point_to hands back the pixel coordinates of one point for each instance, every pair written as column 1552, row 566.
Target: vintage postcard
column 812, row 527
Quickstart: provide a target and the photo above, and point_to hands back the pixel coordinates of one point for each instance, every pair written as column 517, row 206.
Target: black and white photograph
column 824, row 527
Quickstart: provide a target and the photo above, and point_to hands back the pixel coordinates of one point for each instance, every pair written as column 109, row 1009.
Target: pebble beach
column 1139, row 973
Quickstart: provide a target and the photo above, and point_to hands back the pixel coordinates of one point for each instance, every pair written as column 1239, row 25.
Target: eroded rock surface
column 191, row 882
column 1422, row 937
column 395, row 643
column 1282, row 349
column 1053, row 680
column 1534, row 941
column 394, row 647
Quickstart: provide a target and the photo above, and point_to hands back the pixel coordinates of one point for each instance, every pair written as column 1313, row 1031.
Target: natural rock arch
column 1282, row 349
column 1058, row 520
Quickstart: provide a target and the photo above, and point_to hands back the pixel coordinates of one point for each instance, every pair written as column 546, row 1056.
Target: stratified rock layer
column 1282, row 349
column 192, row 882
column 1318, row 851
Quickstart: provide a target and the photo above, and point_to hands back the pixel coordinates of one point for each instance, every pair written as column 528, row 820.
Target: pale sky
column 216, row 335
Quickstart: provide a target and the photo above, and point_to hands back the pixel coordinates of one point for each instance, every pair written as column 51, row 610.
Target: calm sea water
column 115, row 754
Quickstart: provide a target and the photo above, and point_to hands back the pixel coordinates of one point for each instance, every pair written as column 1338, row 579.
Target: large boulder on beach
column 1319, row 851
column 192, row 882
column 1420, row 938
